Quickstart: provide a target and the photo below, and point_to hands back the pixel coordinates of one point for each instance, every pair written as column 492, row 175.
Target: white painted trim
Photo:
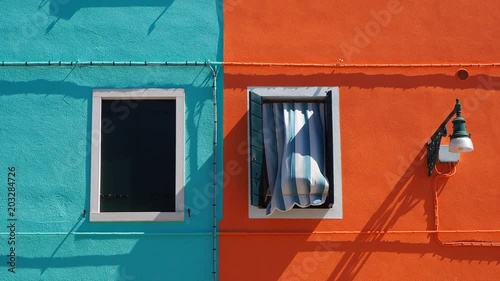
column 337, row 156
column 179, row 154
column 95, row 161
column 332, row 213
column 136, row 216
column 292, row 92
column 139, row 94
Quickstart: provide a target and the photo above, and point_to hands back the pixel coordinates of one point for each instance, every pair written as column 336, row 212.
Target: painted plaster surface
column 386, row 118
column 45, row 133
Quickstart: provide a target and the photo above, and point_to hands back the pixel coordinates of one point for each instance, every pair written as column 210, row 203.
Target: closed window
column 137, row 155
column 294, row 153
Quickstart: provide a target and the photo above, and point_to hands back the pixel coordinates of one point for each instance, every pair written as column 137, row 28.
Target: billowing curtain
column 294, row 144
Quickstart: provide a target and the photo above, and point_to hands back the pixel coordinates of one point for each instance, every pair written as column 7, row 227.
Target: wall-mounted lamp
column 460, row 139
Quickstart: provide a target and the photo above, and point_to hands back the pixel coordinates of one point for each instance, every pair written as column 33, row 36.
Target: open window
column 294, row 167
column 137, row 155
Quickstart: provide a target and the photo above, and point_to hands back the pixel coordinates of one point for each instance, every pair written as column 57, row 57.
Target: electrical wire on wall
column 359, row 65
column 239, row 63
column 443, row 175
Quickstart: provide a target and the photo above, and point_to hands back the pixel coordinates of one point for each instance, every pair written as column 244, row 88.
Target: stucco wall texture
column 386, row 117
column 45, row 133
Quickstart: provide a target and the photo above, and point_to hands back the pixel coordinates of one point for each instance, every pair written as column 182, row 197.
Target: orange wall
column 386, row 117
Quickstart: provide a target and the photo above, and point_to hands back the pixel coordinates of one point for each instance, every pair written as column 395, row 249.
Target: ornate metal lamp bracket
column 435, row 141
column 433, row 149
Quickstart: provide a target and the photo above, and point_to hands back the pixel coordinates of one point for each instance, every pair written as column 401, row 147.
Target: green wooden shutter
column 329, row 147
column 256, row 148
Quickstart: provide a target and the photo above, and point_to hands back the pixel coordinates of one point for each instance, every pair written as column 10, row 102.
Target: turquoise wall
column 45, row 132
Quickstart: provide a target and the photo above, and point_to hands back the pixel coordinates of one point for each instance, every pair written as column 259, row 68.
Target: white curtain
column 294, row 144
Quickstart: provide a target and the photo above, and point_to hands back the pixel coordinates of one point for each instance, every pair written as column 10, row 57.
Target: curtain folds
column 294, row 144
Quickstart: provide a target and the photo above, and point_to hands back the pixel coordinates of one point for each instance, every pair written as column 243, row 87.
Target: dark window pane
column 138, row 156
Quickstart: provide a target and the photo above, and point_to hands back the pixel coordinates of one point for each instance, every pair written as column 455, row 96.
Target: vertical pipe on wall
column 214, row 166
column 473, row 242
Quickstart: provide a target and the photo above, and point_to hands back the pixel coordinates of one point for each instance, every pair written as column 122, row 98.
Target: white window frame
column 98, row 96
column 307, row 213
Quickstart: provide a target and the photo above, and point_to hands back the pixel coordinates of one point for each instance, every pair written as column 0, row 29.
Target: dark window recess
column 138, row 156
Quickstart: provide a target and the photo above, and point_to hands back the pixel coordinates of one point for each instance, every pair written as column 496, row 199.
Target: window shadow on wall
column 66, row 9
column 366, row 81
column 45, row 87
column 123, row 257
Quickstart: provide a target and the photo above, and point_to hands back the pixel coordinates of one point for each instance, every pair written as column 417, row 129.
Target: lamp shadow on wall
column 412, row 188
column 409, row 189
column 66, row 9
column 406, row 194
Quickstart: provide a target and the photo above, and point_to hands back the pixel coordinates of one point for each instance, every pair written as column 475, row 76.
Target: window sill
column 332, row 213
column 136, row 216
